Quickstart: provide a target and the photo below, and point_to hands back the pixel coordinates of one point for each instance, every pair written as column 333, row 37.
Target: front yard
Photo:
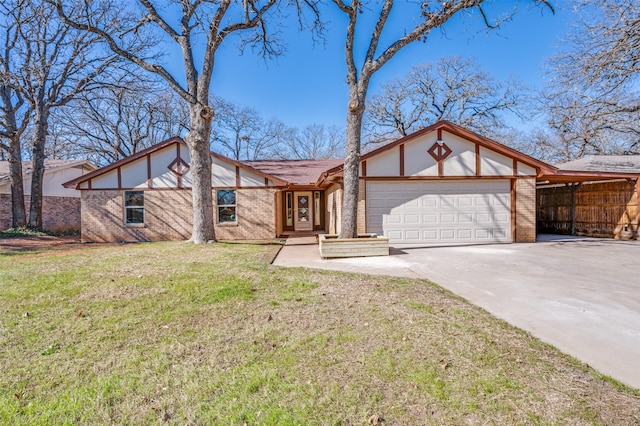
column 173, row 333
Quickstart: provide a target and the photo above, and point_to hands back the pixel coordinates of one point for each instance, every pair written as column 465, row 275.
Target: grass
column 173, row 333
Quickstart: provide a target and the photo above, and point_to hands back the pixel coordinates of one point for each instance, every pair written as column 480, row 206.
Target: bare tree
column 454, row 89
column 426, row 16
column 114, row 122
column 593, row 101
column 54, row 64
column 14, row 111
column 187, row 24
column 242, row 133
column 314, row 141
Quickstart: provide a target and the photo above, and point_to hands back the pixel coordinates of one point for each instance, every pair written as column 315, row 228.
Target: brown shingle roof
column 298, row 172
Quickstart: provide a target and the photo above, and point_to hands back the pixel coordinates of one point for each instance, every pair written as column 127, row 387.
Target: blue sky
column 307, row 85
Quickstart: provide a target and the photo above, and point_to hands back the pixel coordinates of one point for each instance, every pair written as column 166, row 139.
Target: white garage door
column 440, row 213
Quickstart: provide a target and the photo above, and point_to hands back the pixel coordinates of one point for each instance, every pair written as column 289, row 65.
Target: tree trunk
column 351, row 173
column 197, row 140
column 19, row 216
column 37, row 164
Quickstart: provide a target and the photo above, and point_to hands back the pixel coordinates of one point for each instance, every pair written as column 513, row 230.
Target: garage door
column 440, row 212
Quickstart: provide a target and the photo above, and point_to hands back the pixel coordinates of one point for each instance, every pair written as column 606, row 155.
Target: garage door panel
column 448, row 218
column 440, row 213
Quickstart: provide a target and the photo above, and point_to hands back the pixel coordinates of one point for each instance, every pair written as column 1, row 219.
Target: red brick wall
column 59, row 214
column 169, row 216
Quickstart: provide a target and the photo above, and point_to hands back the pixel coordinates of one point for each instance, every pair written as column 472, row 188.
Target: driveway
column 582, row 295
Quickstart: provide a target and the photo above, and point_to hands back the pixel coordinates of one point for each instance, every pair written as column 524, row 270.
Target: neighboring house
column 608, row 208
column 60, row 205
column 442, row 185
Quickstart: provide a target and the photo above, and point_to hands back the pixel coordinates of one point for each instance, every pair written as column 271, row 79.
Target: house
column 602, row 208
column 442, row 185
column 60, row 205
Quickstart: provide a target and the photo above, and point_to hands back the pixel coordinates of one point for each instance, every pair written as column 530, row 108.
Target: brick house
column 442, row 185
column 60, row 205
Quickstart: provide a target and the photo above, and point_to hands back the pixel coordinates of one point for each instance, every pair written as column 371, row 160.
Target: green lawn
column 175, row 333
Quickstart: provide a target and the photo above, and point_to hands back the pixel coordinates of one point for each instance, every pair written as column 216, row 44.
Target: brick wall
column 525, row 210
column 169, row 216
column 255, row 210
column 362, row 207
column 5, row 211
column 334, row 208
column 59, row 214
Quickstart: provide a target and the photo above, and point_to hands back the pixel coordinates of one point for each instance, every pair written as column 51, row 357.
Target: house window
column 289, row 209
column 133, row 207
column 226, row 201
column 316, row 207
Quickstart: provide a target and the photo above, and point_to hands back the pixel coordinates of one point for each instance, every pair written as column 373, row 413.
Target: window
column 133, row 207
column 226, row 201
column 289, row 209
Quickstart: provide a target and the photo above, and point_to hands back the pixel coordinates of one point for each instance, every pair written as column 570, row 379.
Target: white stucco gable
column 445, row 150
column 166, row 166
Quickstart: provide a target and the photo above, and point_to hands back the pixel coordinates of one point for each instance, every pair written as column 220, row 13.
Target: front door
column 302, row 212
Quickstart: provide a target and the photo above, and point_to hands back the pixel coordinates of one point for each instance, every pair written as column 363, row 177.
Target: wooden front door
column 302, row 212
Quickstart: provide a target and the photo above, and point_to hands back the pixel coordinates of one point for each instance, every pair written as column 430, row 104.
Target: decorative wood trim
column 638, row 201
column 149, row 180
column 266, row 181
column 440, row 134
column 89, row 183
column 470, row 136
column 514, row 215
column 478, row 162
column 179, row 165
column 237, row 176
column 364, row 168
column 119, row 178
column 515, row 167
column 401, row 159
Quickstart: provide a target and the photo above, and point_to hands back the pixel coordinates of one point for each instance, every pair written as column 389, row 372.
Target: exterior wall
column 5, row 211
column 362, row 207
column 334, row 208
column 525, row 210
column 601, row 209
column 279, row 213
column 59, row 214
column 168, row 215
column 256, row 212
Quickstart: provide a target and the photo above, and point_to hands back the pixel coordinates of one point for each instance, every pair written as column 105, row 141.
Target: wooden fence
column 595, row 209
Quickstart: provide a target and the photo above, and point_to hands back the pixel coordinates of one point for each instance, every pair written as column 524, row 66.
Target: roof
column 604, row 163
column 49, row 165
column 593, row 168
column 281, row 172
column 297, row 172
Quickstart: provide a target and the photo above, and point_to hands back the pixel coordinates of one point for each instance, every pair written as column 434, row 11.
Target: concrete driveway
column 582, row 295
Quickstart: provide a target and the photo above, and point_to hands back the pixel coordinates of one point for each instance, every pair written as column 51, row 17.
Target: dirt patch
column 37, row 243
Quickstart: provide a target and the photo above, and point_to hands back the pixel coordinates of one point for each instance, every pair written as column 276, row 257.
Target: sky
column 307, row 85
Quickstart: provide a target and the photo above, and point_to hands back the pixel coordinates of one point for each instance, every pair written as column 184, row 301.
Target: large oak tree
column 197, row 28
column 362, row 65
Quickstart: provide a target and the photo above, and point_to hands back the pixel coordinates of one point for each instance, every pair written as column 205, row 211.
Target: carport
column 598, row 203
